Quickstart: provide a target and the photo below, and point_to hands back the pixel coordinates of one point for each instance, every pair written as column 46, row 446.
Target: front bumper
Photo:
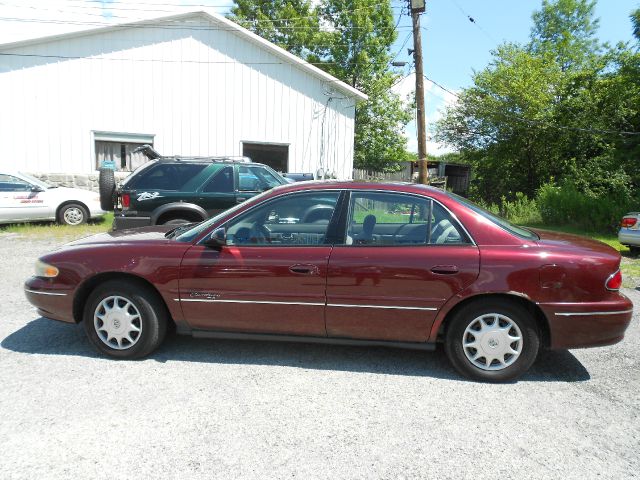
column 51, row 301
column 629, row 237
column 592, row 324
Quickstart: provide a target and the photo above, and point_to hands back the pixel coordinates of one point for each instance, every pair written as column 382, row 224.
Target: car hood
column 575, row 244
column 154, row 234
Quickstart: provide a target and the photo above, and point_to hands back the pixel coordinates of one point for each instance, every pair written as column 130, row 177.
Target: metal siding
column 193, row 108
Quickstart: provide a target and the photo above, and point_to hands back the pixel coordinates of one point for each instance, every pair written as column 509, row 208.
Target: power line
column 543, row 123
column 473, row 20
column 205, row 62
column 107, row 7
column 179, row 24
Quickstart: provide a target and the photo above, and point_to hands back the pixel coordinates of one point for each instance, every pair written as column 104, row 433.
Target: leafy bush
column 521, row 210
column 566, row 204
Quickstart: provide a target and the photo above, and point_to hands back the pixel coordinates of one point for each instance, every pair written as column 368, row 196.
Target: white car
column 24, row 198
column 629, row 233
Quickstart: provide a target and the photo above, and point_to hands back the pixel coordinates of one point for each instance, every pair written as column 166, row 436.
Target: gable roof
column 214, row 18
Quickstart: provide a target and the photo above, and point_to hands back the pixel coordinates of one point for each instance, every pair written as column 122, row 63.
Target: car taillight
column 614, row 282
column 126, row 200
column 628, row 222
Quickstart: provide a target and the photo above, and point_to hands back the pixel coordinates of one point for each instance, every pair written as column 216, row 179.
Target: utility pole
column 417, row 7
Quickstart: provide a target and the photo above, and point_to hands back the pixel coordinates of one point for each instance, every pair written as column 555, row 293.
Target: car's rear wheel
column 176, row 221
column 492, row 340
column 634, row 251
column 73, row 214
column 125, row 319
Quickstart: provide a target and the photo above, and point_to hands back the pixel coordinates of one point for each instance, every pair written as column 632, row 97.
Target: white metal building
column 189, row 84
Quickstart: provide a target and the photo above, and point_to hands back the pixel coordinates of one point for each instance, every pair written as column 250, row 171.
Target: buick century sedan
column 398, row 265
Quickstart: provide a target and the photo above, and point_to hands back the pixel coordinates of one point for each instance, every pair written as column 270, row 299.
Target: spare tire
column 107, row 186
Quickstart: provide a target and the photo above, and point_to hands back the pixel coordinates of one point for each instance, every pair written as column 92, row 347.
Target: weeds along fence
column 370, row 176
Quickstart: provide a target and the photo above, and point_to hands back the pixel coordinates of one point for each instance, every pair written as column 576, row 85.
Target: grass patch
column 55, row 230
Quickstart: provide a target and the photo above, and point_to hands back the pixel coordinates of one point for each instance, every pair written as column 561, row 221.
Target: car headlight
column 46, row 270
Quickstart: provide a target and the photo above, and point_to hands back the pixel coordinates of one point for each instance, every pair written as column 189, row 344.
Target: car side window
column 295, row 220
column 221, row 182
column 255, row 179
column 9, row 183
column 377, row 218
column 167, row 176
column 444, row 229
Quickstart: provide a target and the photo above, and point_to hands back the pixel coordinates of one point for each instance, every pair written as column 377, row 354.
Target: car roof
column 359, row 185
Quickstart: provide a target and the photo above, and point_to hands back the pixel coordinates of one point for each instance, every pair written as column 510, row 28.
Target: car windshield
column 501, row 222
column 197, row 229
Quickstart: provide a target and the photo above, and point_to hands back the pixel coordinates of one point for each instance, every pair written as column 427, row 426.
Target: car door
column 270, row 277
column 218, row 194
column 20, row 201
column 403, row 257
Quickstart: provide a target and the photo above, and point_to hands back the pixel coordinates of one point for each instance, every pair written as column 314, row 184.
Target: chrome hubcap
column 492, row 342
column 73, row 216
column 117, row 322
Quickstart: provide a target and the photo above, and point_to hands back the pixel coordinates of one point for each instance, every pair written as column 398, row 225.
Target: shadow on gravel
column 46, row 337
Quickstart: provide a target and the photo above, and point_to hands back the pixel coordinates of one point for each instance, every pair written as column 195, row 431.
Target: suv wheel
column 175, row 221
column 107, row 186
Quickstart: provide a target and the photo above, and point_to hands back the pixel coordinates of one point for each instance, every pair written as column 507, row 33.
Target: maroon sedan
column 397, row 265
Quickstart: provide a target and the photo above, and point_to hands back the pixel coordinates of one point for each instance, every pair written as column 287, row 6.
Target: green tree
column 567, row 29
column 350, row 39
column 356, row 50
column 635, row 21
column 291, row 24
column 549, row 109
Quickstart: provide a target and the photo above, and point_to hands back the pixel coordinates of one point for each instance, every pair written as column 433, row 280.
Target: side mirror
column 217, row 238
column 36, row 189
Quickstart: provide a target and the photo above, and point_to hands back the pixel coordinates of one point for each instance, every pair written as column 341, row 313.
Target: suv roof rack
column 238, row 159
column 153, row 154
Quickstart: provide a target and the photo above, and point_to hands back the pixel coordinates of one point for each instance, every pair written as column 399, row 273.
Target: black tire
column 634, row 251
column 176, row 221
column 73, row 214
column 137, row 300
column 107, row 187
column 485, row 369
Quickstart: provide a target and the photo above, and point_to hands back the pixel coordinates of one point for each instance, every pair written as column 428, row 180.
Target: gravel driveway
column 231, row 409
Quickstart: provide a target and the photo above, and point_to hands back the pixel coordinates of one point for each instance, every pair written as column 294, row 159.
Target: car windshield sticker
column 148, row 196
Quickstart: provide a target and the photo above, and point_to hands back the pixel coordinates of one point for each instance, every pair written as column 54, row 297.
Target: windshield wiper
column 179, row 229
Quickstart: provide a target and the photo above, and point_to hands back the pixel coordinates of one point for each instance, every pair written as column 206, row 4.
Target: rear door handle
column 241, row 199
column 304, row 269
column 445, row 269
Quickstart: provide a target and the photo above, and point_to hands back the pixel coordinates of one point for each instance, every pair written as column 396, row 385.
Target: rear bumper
column 592, row 324
column 120, row 221
column 629, row 237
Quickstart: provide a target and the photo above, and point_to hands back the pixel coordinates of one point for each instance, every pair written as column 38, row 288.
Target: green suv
column 175, row 190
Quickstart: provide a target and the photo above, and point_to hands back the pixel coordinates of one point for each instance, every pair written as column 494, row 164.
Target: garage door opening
column 276, row 156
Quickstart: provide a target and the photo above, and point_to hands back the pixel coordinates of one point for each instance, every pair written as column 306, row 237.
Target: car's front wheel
column 492, row 340
column 125, row 319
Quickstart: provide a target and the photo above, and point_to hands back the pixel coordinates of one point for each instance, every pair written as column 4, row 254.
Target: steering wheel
column 260, row 234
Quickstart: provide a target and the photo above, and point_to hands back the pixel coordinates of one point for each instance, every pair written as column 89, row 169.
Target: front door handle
column 241, row 199
column 445, row 269
column 301, row 269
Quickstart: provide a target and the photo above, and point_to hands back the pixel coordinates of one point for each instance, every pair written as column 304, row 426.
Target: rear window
column 166, row 176
column 501, row 222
